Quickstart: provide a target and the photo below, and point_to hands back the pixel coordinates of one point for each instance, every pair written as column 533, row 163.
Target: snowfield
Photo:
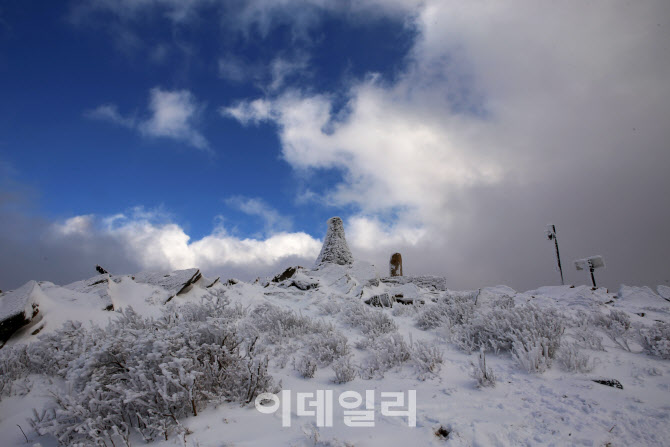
column 183, row 365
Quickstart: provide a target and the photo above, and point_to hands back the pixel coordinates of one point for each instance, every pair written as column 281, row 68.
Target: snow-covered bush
column 656, row 340
column 499, row 329
column 406, row 310
column 483, row 375
column 330, row 306
column 345, row 371
column 427, row 360
column 140, row 374
column 306, row 366
column 571, row 358
column 616, row 326
column 328, row 346
column 372, row 322
column 277, row 323
column 584, row 334
column 451, row 310
column 14, row 366
column 386, row 352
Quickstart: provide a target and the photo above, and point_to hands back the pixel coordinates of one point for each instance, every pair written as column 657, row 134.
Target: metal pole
column 593, row 278
column 558, row 255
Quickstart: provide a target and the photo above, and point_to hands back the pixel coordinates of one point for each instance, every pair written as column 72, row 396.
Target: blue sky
column 162, row 134
column 58, row 69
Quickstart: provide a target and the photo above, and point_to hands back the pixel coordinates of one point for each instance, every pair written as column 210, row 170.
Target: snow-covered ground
column 544, row 347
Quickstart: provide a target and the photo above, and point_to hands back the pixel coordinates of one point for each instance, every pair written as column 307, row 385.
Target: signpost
column 591, row 264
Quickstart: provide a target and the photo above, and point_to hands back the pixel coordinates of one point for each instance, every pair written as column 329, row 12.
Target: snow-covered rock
column 98, row 285
column 175, row 283
column 437, row 283
column 17, row 309
column 335, row 249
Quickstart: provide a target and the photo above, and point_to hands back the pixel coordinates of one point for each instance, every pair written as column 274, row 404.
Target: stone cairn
column 395, row 265
column 335, row 249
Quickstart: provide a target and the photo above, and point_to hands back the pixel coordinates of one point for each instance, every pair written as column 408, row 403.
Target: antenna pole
column 552, row 235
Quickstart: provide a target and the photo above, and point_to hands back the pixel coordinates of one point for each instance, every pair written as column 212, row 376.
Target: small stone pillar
column 395, row 264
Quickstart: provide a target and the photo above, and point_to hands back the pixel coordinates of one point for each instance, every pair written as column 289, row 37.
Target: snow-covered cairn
column 335, row 249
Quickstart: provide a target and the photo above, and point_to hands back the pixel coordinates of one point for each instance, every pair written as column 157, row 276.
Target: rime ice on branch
column 335, row 249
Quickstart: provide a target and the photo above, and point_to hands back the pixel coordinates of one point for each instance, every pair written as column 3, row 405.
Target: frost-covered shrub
column 427, row 360
column 499, row 329
column 406, row 310
column 387, row 352
column 453, row 309
column 143, row 375
column 370, row 321
column 330, row 307
column 656, row 340
column 14, row 366
column 328, row 346
column 306, row 366
column 571, row 358
column 277, row 323
column 345, row 371
column 616, row 326
column 483, row 375
column 584, row 333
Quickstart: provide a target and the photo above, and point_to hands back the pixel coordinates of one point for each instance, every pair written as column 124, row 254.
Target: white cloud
column 147, row 239
column 172, row 114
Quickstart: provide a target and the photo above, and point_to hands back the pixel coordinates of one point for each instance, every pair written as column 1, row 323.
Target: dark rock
column 609, row 382
column 442, row 432
column 232, row 282
column 100, row 270
column 303, row 285
column 288, row 273
column 213, row 283
column 395, row 265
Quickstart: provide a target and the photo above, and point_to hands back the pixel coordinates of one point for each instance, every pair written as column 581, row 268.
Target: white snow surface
column 557, row 407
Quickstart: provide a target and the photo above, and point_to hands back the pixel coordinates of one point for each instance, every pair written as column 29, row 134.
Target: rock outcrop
column 335, row 249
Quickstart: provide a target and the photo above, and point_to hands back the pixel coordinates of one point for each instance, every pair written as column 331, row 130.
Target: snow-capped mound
column 664, row 291
column 641, row 300
column 567, row 297
column 335, row 249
